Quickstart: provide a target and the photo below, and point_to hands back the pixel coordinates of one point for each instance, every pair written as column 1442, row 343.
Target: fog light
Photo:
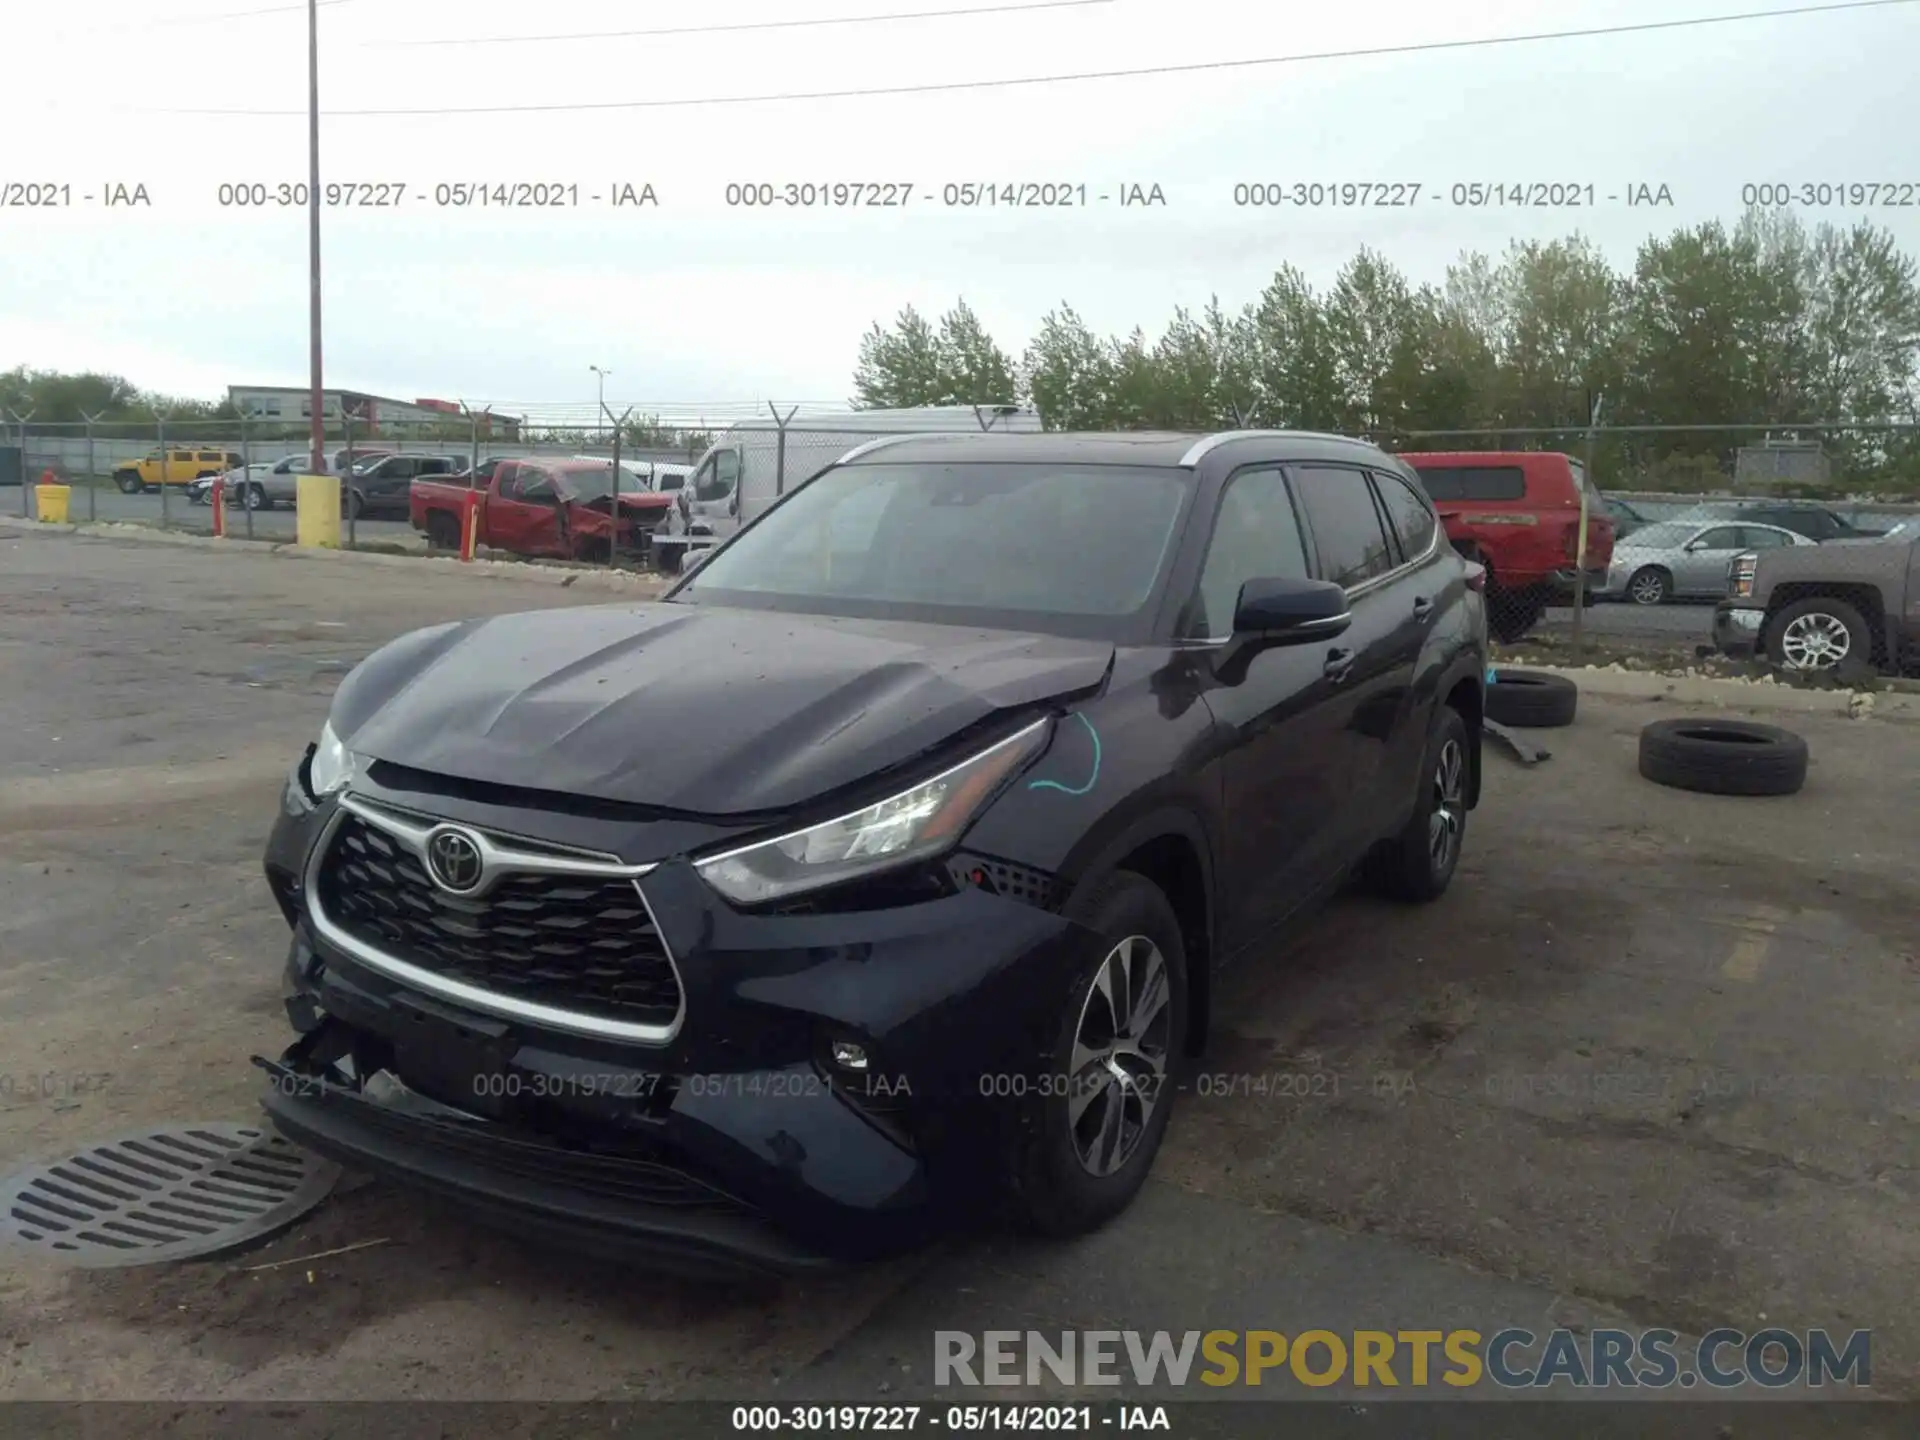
column 849, row 1056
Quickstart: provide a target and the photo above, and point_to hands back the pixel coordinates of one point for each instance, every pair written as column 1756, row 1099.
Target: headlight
column 331, row 766
column 910, row 826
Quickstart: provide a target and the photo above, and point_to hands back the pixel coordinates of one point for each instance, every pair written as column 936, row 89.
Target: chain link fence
column 1728, row 486
column 1669, row 508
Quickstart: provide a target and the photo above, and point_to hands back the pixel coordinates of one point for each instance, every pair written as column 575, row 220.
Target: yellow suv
column 177, row 465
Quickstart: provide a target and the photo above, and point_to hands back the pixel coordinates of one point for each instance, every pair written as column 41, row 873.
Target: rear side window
column 1473, row 482
column 1347, row 533
column 1413, row 523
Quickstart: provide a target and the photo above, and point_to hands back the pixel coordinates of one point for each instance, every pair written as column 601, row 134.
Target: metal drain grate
column 161, row 1195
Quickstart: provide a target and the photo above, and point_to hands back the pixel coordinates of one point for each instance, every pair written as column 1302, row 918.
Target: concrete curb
column 621, row 581
column 1754, row 696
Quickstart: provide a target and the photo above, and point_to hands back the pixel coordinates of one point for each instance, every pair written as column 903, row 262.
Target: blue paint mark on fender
column 1091, row 779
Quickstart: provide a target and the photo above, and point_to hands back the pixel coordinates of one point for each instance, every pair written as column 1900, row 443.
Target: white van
column 753, row 464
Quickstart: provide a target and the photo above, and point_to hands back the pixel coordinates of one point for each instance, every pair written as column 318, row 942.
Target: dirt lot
column 1653, row 1058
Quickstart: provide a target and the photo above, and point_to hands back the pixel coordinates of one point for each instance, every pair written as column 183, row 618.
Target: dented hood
column 693, row 709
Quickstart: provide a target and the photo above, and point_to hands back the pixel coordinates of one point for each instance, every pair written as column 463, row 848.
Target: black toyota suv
column 879, row 872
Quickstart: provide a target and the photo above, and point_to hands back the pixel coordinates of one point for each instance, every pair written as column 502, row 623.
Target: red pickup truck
column 561, row 509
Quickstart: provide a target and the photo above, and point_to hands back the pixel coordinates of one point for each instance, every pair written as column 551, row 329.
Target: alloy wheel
column 1647, row 589
column 1119, row 1060
column 1815, row 642
column 1449, row 807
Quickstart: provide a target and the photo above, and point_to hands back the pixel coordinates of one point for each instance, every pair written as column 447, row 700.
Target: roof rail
column 1207, row 443
column 879, row 442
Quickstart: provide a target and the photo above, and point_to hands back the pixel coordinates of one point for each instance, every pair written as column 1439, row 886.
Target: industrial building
column 372, row 414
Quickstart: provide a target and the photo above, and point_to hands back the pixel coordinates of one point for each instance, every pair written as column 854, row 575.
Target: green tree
column 1295, row 376
column 1375, row 325
column 898, row 367
column 913, row 364
column 973, row 369
column 1069, row 374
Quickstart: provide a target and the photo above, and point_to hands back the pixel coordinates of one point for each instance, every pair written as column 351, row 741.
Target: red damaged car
column 1518, row 514
column 558, row 509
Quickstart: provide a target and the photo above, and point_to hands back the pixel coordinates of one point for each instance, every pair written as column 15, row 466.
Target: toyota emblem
column 453, row 859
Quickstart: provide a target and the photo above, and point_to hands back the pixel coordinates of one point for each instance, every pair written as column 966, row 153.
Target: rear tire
column 257, row 497
column 1082, row 1139
column 1417, row 865
column 443, row 531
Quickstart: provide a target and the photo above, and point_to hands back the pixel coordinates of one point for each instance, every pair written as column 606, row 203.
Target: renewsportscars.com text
column 1406, row 1359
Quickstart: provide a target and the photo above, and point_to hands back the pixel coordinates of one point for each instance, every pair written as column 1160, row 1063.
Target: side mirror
column 1278, row 611
column 1273, row 612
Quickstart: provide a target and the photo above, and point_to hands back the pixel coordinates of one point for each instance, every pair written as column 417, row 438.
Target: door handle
column 1339, row 665
column 1423, row 608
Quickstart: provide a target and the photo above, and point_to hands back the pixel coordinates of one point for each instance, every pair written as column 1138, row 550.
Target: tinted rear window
column 1472, row 482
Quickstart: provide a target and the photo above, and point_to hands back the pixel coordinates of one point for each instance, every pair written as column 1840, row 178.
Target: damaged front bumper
column 616, row 1208
column 741, row 1142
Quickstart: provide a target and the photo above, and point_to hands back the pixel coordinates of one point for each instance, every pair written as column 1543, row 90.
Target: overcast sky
column 693, row 301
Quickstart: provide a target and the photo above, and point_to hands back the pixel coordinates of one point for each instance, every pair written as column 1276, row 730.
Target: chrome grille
column 535, row 940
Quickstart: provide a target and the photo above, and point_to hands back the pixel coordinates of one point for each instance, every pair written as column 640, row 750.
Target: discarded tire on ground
column 1532, row 699
column 1723, row 757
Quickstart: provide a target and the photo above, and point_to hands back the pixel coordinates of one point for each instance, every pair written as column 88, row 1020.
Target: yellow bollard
column 50, row 501
column 317, row 522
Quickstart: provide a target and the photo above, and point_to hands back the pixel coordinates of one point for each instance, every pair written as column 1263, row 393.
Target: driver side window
column 1724, row 537
column 718, row 477
column 1256, row 536
column 535, row 485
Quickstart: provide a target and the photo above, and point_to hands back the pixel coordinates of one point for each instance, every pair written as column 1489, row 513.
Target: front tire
column 1084, row 1143
column 1417, row 865
column 1650, row 585
column 129, row 482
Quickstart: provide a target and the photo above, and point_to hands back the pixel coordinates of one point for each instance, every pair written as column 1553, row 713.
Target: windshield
column 591, row 482
column 1665, row 536
column 1028, row 545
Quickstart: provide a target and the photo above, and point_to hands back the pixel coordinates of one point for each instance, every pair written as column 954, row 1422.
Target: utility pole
column 316, row 378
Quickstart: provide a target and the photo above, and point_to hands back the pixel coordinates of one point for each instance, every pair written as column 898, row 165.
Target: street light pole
column 318, row 433
column 600, row 408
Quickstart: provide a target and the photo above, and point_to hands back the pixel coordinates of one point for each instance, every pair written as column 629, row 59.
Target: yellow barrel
column 51, row 503
column 318, row 520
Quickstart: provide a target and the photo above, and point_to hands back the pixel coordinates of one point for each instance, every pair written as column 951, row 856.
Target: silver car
column 1686, row 559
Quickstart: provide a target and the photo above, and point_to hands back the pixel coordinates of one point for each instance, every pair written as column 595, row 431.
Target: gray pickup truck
column 1848, row 602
